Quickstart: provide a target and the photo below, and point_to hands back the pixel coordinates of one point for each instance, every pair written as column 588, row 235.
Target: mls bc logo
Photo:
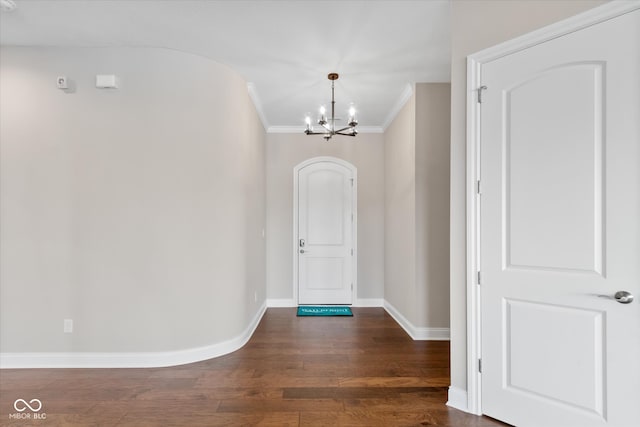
column 34, row 405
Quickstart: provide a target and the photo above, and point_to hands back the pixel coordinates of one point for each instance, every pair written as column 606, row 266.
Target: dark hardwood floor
column 341, row 371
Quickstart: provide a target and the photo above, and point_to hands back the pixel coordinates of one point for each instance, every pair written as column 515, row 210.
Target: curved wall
column 138, row 212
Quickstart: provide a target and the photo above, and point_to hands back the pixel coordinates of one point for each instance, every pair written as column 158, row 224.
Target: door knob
column 301, row 251
column 623, row 297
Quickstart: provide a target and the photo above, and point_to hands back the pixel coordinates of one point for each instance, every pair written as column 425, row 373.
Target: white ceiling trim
column 370, row 129
column 404, row 97
column 251, row 88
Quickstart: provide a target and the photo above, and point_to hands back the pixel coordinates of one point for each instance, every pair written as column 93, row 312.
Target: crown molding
column 370, row 129
column 402, row 100
column 253, row 94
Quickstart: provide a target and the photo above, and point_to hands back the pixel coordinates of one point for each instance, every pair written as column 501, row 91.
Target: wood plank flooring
column 339, row 371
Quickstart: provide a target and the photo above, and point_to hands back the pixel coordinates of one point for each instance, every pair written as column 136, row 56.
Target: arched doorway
column 325, row 227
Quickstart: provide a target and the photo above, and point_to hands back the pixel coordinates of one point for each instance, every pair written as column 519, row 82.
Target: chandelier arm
column 346, row 128
column 309, row 132
column 345, row 134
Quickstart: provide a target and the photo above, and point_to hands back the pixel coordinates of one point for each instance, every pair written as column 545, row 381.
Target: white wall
column 136, row 212
column 476, row 25
column 365, row 152
column 417, row 212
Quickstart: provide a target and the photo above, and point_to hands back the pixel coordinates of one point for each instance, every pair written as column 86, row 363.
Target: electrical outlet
column 68, row 326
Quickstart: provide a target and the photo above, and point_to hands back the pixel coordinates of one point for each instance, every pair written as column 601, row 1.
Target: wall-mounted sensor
column 106, row 81
column 62, row 82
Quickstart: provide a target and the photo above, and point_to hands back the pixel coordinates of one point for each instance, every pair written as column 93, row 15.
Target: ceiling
column 283, row 49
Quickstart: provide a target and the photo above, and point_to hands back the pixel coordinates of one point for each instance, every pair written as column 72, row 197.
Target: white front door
column 560, row 230
column 325, row 233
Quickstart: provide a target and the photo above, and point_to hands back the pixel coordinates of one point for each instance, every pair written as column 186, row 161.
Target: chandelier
column 329, row 124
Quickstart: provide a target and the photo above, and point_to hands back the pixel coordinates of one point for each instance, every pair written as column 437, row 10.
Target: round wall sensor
column 7, row 5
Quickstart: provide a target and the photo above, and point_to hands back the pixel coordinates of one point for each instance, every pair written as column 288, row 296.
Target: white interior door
column 325, row 233
column 560, row 230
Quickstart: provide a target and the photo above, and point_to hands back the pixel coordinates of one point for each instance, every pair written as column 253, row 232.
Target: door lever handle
column 623, row 297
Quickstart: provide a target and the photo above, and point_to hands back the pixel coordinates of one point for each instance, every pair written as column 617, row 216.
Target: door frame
column 354, row 231
column 473, row 192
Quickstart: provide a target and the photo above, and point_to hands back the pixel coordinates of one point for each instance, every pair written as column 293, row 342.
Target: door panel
column 324, row 273
column 539, row 145
column 325, row 234
column 326, row 206
column 560, row 230
column 573, row 377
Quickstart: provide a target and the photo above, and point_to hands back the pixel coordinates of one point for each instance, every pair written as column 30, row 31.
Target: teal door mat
column 316, row 310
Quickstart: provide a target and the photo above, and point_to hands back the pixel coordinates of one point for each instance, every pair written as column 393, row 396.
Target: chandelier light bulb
column 352, row 118
column 322, row 113
column 323, row 119
column 307, row 121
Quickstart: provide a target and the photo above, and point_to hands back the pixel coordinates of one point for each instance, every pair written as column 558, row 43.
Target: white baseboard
column 278, row 303
column 457, row 398
column 369, row 302
column 361, row 302
column 418, row 333
column 130, row 360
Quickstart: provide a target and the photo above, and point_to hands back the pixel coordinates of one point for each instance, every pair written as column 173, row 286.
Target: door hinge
column 479, row 277
column 351, row 252
column 352, row 182
column 478, row 187
column 351, row 217
column 480, row 89
column 480, row 365
column 352, row 287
